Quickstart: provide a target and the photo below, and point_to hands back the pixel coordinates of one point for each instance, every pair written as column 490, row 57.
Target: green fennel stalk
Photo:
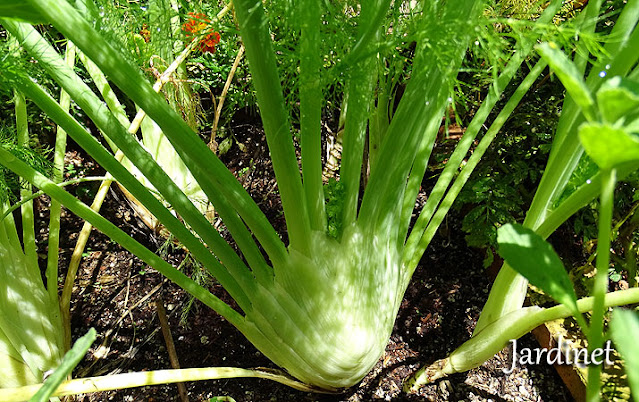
column 55, row 210
column 544, row 217
column 30, row 324
column 321, row 308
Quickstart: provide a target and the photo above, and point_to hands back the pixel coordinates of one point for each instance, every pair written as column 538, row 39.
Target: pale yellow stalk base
column 130, row 380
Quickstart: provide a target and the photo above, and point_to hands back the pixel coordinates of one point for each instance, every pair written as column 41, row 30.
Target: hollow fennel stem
column 85, row 232
column 363, row 76
column 22, row 135
column 55, row 210
column 495, row 336
column 310, row 95
column 26, row 209
column 600, row 286
column 275, row 118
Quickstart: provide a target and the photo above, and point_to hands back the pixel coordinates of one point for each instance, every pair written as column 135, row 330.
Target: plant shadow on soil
column 438, row 313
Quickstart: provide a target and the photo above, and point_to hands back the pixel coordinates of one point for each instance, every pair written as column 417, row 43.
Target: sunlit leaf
column 608, row 146
column 570, row 77
column 533, row 257
column 618, row 97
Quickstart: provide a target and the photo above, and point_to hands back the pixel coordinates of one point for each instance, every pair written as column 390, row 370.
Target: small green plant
column 498, row 191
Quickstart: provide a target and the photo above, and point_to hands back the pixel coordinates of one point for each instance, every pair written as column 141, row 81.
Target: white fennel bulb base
column 327, row 318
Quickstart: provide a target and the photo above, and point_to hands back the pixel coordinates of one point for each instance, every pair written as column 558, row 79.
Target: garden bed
column 334, row 297
column 116, row 294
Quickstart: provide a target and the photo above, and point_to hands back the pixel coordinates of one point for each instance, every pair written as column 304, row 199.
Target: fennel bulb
column 30, row 325
column 327, row 318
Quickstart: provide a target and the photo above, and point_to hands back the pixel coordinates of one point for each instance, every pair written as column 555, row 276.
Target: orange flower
column 192, row 28
column 144, row 32
column 195, row 24
column 209, row 42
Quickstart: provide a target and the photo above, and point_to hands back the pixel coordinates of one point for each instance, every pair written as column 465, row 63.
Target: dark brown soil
column 116, row 294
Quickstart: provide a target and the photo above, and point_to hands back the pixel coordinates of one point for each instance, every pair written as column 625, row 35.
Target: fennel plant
column 322, row 307
column 587, row 121
column 30, row 322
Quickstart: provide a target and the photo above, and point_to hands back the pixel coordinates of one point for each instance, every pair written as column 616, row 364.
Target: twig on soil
column 170, row 346
column 103, row 349
column 220, row 103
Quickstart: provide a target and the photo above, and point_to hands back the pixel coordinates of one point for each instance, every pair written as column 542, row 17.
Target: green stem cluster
column 547, row 212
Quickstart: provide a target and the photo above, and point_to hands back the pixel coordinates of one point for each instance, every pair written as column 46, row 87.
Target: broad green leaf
column 624, row 329
column 570, row 77
column 20, row 10
column 69, row 361
column 221, row 399
column 633, row 126
column 533, row 257
column 618, row 97
column 608, row 146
